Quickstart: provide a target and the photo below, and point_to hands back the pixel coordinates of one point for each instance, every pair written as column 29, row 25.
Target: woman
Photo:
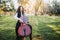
column 17, row 16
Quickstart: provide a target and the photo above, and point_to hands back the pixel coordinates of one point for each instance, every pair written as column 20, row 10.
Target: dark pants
column 20, row 37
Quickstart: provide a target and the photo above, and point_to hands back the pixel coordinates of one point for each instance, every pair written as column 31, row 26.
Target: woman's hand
column 21, row 21
column 27, row 23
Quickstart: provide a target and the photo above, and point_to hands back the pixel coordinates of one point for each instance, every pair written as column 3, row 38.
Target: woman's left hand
column 27, row 23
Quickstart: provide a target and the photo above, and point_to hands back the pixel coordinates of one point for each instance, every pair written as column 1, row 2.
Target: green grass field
column 48, row 27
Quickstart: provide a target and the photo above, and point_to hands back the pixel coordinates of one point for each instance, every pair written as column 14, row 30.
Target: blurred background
column 44, row 16
column 32, row 7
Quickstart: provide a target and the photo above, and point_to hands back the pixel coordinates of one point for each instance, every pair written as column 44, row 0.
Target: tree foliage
column 56, row 8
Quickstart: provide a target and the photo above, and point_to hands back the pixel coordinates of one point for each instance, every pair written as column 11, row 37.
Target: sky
column 58, row 0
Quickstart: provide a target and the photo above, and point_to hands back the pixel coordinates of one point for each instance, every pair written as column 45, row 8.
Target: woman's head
column 20, row 9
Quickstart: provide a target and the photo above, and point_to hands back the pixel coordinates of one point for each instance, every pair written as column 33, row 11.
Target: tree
column 56, row 7
column 36, row 6
column 15, row 4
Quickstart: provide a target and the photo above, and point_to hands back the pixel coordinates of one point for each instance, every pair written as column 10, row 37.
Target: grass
column 48, row 27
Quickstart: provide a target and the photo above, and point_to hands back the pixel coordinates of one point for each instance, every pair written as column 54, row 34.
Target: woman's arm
column 15, row 16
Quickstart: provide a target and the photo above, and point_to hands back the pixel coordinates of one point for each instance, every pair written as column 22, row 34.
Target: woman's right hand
column 21, row 21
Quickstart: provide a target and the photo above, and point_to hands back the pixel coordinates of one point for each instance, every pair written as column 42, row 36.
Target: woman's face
column 21, row 9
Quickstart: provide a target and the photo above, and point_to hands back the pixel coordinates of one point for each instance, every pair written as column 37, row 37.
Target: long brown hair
column 19, row 12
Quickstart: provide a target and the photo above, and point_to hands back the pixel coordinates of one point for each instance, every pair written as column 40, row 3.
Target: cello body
column 24, row 29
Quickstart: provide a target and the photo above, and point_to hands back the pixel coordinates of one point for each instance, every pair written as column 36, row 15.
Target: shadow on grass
column 7, row 34
column 47, row 32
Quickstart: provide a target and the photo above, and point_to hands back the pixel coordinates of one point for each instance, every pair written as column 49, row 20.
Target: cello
column 24, row 29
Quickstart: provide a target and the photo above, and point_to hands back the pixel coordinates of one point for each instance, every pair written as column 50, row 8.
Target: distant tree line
column 54, row 9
